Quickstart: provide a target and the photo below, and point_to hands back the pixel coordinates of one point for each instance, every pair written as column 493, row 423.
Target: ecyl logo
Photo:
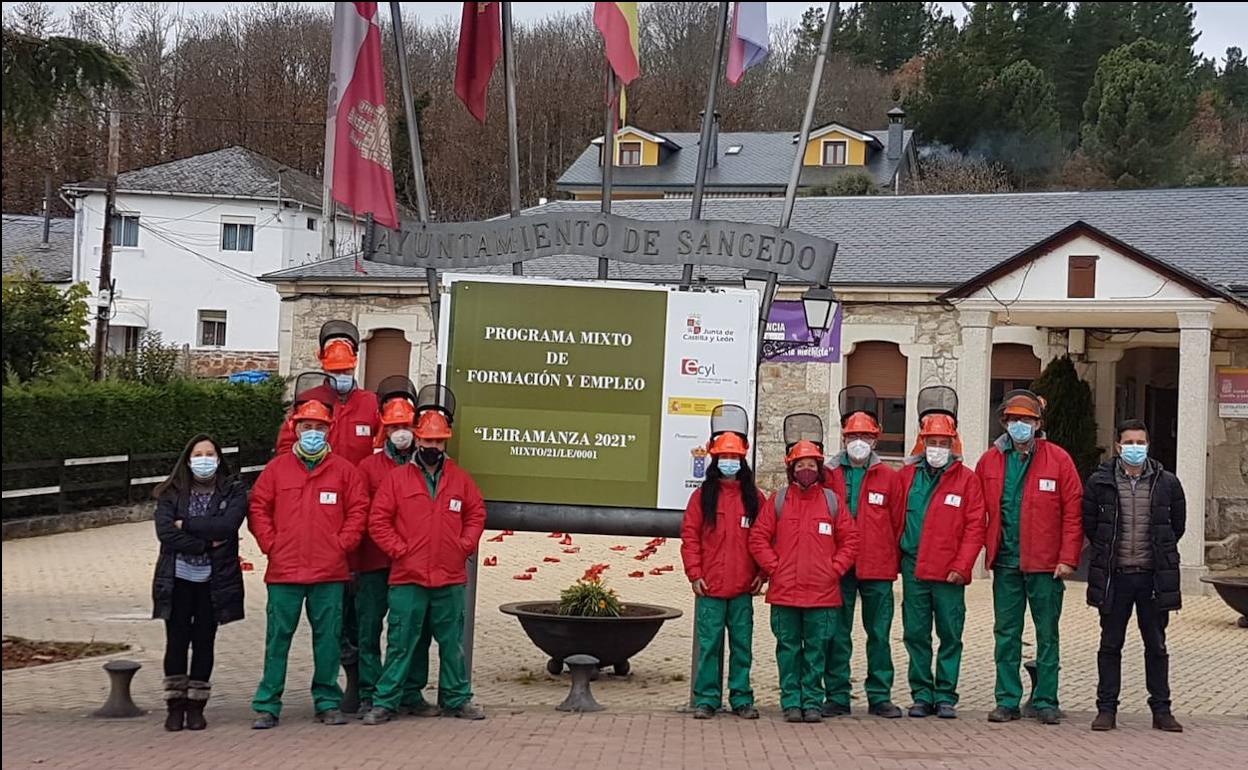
column 691, row 368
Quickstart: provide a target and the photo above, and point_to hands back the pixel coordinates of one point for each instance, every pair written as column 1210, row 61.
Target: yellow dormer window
column 630, row 154
column 835, row 153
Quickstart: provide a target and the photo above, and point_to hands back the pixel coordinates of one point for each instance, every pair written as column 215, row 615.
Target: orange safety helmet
column 398, row 411
column 338, row 355
column 728, row 444
column 1023, row 404
column 433, row 425
column 312, row 410
column 861, row 422
column 803, row 449
column 938, row 424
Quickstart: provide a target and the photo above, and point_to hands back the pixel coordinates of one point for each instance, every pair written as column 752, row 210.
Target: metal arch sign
column 468, row 245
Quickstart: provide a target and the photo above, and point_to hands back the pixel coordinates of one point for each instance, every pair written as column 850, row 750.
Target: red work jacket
column 1050, row 529
column 953, row 529
column 880, row 520
column 806, row 549
column 306, row 522
column 357, row 422
column 369, row 557
column 428, row 539
column 720, row 554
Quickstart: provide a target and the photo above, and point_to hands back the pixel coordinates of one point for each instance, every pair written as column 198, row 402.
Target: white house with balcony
column 190, row 238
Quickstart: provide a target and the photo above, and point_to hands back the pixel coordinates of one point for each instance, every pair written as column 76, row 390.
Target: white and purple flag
column 749, row 44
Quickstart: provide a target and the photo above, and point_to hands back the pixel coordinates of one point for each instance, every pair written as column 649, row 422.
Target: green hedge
column 53, row 420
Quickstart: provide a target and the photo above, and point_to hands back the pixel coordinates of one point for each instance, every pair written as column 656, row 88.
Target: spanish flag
column 618, row 24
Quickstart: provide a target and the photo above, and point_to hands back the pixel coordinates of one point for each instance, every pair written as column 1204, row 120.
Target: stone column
column 1195, row 336
column 974, row 373
column 1106, row 362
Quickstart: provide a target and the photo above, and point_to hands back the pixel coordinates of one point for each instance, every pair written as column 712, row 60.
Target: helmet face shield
column 858, row 399
column 803, row 427
column 938, row 398
column 437, row 397
column 396, row 386
column 730, row 418
column 339, row 330
column 314, row 397
column 1021, row 403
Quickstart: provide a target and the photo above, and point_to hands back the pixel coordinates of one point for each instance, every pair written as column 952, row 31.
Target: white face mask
column 402, row 439
column 937, row 456
column 858, row 450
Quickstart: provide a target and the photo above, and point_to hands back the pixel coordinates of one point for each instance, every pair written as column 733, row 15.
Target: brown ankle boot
column 1166, row 721
column 1105, row 720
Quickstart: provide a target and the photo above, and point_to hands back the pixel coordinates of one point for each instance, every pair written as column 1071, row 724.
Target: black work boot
column 922, row 709
column 831, row 709
column 703, row 712
column 196, row 700
column 886, row 709
column 1166, row 721
column 1105, row 720
column 1003, row 714
column 793, row 715
column 175, row 701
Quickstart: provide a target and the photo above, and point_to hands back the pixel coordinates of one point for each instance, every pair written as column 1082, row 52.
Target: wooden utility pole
column 105, row 295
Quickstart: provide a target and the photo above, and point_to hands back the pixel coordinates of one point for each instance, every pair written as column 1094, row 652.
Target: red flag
column 363, row 179
column 480, row 45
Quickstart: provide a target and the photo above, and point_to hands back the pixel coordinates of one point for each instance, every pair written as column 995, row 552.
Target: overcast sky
column 1220, row 24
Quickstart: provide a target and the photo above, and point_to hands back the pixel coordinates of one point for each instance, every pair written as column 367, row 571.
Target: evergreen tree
column 990, row 38
column 809, row 33
column 1233, row 82
column 1135, row 114
column 886, row 35
column 1095, row 29
column 1044, row 34
column 947, row 109
column 1021, row 123
column 1171, row 24
column 1069, row 413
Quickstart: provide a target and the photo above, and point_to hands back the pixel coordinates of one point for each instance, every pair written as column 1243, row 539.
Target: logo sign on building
column 591, row 394
column 1233, row 392
column 787, row 323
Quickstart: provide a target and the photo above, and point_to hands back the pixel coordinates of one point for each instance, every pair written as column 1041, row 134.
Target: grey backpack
column 828, row 494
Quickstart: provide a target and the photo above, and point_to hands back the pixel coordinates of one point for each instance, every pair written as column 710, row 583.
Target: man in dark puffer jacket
column 1134, row 513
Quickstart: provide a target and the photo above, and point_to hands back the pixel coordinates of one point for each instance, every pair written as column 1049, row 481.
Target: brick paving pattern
column 96, row 585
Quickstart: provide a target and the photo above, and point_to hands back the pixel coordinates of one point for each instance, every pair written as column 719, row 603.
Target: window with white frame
column 630, row 153
column 212, row 328
column 125, row 230
column 238, row 233
column 834, row 153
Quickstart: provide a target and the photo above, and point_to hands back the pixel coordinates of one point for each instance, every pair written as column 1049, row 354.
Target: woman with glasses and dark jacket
column 198, row 583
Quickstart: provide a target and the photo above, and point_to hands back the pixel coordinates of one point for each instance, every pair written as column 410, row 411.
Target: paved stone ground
column 96, row 585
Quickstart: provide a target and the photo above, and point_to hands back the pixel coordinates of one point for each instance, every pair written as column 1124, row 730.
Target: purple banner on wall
column 787, row 323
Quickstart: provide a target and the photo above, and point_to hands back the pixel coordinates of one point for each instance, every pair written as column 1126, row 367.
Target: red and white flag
column 363, row 179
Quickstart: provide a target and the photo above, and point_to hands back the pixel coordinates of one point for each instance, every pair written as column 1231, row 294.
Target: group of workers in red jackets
column 846, row 526
column 365, row 520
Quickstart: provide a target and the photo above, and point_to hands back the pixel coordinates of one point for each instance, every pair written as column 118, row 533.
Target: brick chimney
column 712, row 157
column 896, row 132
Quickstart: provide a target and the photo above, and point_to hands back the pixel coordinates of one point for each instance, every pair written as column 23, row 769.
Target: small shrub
column 589, row 598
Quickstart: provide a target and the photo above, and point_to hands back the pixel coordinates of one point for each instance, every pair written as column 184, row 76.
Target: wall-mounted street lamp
column 818, row 305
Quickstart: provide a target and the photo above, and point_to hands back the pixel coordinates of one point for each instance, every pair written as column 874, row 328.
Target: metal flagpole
column 513, row 146
column 795, row 173
column 413, row 141
column 608, row 155
column 704, row 140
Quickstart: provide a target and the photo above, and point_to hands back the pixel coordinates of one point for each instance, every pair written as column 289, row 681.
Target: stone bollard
column 119, row 704
column 580, row 699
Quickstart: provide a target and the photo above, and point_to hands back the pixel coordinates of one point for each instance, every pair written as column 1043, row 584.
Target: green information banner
column 560, row 390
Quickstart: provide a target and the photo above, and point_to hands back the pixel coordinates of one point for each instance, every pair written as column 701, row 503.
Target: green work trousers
column 877, row 621
column 411, row 606
column 1012, row 591
column 711, row 618
column 923, row 601
column 370, row 604
column 801, row 653
column 324, row 608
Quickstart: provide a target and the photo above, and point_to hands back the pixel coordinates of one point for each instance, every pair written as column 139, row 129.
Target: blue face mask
column 1021, row 431
column 312, row 441
column 729, row 468
column 343, row 383
column 204, row 467
column 1134, row 454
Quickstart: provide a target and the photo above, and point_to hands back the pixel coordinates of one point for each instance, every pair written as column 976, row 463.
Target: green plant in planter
column 590, row 598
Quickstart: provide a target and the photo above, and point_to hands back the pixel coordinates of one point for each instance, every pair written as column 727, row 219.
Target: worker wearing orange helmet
column 1035, row 535
column 941, row 539
column 308, row 511
column 871, row 492
column 371, row 565
column 714, row 546
column 356, row 424
column 805, row 541
column 428, row 517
